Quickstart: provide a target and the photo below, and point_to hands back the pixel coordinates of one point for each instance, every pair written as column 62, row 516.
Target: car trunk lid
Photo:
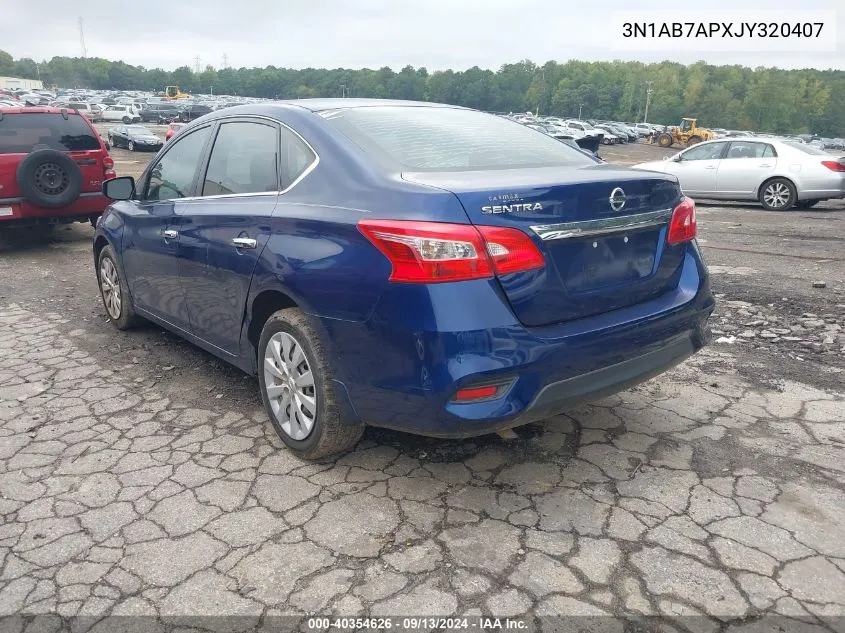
column 602, row 231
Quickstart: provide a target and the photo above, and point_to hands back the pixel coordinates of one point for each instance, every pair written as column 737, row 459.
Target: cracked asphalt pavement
column 140, row 477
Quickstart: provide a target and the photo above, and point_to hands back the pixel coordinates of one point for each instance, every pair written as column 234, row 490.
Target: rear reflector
column 108, row 162
column 834, row 165
column 431, row 252
column 682, row 227
column 476, row 393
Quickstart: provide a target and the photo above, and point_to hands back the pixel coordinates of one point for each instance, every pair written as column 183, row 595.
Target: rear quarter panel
column 315, row 253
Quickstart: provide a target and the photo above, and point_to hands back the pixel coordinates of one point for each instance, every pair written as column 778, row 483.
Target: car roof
column 37, row 110
column 319, row 105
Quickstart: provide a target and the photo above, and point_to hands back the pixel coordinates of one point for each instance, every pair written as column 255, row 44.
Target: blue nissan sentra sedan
column 422, row 267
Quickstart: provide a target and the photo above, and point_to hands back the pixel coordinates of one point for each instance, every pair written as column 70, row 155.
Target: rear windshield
column 807, row 149
column 21, row 133
column 450, row 139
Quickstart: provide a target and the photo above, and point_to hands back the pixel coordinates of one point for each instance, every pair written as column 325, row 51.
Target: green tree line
column 733, row 97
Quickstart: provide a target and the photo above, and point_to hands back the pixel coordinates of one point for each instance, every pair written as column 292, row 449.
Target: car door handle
column 764, row 165
column 244, row 242
column 710, row 167
column 170, row 234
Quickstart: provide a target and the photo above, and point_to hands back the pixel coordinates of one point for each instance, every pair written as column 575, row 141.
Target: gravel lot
column 139, row 477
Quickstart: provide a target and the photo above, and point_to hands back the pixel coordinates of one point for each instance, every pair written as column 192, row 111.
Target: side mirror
column 122, row 188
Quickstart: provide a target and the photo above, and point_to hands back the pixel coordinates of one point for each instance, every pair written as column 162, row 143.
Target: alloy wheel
column 776, row 195
column 289, row 384
column 110, row 285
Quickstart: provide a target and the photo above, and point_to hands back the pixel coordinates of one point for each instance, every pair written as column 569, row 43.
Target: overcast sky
column 437, row 34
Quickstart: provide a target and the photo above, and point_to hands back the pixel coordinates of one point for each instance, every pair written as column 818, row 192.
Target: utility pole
column 580, row 106
column 225, row 60
column 82, row 39
column 197, row 64
column 543, row 95
column 343, row 91
column 648, row 92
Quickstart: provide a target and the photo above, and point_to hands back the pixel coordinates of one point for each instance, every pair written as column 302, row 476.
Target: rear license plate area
column 593, row 263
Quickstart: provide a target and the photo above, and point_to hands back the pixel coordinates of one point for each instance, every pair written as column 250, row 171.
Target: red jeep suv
column 52, row 167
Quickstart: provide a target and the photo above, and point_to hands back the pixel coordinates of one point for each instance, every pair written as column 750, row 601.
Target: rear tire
column 693, row 140
column 127, row 120
column 778, row 194
column 114, row 292
column 287, row 331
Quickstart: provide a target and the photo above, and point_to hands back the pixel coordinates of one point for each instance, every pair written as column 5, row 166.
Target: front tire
column 127, row 120
column 778, row 194
column 114, row 292
column 665, row 140
column 295, row 379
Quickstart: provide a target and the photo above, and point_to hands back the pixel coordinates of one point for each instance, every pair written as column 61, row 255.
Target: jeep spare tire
column 49, row 178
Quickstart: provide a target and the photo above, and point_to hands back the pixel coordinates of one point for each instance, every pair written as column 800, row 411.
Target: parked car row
column 587, row 139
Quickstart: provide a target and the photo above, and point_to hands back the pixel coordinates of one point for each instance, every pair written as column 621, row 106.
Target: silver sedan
column 780, row 174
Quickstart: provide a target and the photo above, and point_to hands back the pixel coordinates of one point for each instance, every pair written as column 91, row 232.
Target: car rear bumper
column 406, row 378
column 831, row 185
column 18, row 212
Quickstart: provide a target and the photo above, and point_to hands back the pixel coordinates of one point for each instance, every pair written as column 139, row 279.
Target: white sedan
column 780, row 174
column 124, row 113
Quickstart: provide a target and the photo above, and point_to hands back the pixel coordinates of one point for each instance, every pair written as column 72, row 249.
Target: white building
column 13, row 83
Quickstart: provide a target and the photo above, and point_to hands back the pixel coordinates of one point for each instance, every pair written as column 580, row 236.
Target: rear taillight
column 431, row 252
column 511, row 250
column 108, row 166
column 835, row 165
column 682, row 227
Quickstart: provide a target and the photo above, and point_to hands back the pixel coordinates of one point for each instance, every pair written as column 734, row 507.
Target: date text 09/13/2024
column 480, row 623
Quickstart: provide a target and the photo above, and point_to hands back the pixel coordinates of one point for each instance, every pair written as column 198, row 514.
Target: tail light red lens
column 108, row 167
column 431, row 252
column 835, row 165
column 511, row 250
column 682, row 226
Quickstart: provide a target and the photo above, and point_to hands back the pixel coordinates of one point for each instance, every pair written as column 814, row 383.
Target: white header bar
column 718, row 31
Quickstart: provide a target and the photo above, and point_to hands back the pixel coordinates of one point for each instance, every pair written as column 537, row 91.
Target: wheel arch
column 100, row 242
column 777, row 177
column 261, row 308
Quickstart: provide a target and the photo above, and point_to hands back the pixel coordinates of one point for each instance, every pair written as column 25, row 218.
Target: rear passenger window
column 173, row 175
column 743, row 149
column 245, row 159
column 296, row 157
